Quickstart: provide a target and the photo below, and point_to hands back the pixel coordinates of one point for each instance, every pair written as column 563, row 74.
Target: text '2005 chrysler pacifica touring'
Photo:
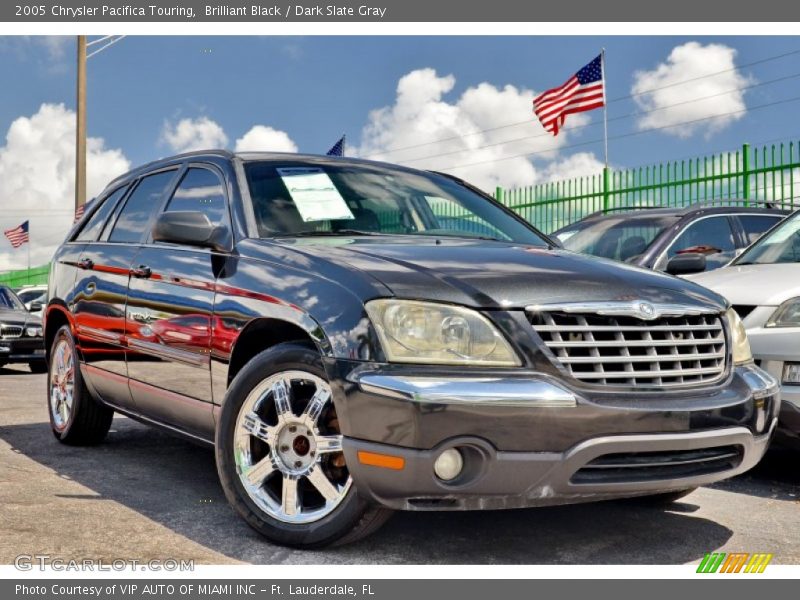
column 355, row 337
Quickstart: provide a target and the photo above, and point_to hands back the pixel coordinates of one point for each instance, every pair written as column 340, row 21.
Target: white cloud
column 471, row 127
column 690, row 61
column 263, row 138
column 37, row 179
column 579, row 164
column 186, row 135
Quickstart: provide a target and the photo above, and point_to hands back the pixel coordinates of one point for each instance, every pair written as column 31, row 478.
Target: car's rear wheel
column 279, row 453
column 75, row 417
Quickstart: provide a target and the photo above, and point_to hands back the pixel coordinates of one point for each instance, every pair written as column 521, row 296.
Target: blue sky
column 152, row 96
column 315, row 88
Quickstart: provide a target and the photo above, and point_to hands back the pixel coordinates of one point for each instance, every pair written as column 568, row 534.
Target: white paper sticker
column 314, row 194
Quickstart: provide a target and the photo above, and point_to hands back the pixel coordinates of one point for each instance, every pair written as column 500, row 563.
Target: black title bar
column 400, row 11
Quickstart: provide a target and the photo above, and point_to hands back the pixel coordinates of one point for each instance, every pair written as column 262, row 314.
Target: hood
column 754, row 285
column 10, row 316
column 496, row 274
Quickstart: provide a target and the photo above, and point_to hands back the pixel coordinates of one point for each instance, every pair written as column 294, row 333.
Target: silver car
column 763, row 285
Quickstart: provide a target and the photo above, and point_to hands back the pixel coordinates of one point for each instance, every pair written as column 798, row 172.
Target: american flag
column 337, row 149
column 79, row 212
column 18, row 235
column 581, row 92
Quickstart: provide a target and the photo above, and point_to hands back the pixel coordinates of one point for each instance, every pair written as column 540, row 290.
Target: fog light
column 449, row 464
column 791, row 373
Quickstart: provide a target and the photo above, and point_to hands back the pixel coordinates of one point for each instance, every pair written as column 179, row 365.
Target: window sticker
column 314, row 194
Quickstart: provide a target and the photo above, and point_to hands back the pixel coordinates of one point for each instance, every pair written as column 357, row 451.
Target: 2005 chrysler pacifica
column 355, row 337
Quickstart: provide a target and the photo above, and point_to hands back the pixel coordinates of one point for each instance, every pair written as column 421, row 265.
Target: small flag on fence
column 18, row 235
column 79, row 212
column 581, row 92
column 337, row 149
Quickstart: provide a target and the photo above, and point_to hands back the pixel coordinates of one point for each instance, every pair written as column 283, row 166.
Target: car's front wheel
column 279, row 453
column 75, row 417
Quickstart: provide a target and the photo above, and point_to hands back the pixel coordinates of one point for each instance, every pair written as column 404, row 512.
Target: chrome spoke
column 323, row 484
column 296, row 442
column 283, row 404
column 317, row 404
column 328, row 443
column 256, row 427
column 260, row 471
column 289, row 496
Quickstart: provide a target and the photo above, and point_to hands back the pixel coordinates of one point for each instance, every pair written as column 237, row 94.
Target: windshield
column 302, row 198
column 8, row 299
column 781, row 245
column 620, row 238
column 31, row 295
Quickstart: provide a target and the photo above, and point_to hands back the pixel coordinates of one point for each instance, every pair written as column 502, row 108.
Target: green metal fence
column 32, row 276
column 750, row 176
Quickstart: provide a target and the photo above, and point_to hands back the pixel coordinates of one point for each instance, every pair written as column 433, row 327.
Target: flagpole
column 29, row 251
column 605, row 104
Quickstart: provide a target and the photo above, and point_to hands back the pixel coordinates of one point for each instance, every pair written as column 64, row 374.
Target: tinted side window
column 712, row 236
column 200, row 190
column 141, row 204
column 755, row 225
column 714, row 232
column 94, row 225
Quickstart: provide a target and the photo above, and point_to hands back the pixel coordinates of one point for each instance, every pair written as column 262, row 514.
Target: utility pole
column 80, row 127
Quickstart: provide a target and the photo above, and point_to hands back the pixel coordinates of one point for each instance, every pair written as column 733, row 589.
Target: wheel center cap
column 295, row 447
column 301, row 445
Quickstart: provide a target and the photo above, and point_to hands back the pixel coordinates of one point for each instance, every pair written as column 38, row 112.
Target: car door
column 169, row 311
column 711, row 235
column 98, row 301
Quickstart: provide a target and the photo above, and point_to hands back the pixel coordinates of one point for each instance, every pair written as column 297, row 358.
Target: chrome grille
column 10, row 332
column 670, row 351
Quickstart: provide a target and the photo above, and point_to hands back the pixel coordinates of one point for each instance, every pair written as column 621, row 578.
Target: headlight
column 34, row 331
column 425, row 332
column 741, row 346
column 786, row 315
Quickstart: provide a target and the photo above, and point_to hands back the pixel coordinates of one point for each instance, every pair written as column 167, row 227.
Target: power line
column 613, row 100
column 618, row 118
column 627, row 135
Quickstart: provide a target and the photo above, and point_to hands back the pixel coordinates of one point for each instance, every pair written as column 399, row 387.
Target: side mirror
column 684, row 264
column 35, row 307
column 192, row 228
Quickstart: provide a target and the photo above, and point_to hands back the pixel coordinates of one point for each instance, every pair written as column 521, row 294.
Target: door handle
column 86, row 263
column 142, row 271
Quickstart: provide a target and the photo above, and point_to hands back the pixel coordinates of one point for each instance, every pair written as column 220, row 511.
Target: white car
column 763, row 285
column 33, row 293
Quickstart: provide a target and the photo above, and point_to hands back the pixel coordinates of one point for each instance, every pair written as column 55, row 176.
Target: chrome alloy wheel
column 62, row 384
column 288, row 449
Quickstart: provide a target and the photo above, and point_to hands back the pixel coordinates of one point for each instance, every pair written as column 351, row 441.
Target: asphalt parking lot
column 144, row 495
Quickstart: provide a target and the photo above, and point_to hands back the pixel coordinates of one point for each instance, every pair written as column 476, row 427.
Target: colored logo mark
column 735, row 562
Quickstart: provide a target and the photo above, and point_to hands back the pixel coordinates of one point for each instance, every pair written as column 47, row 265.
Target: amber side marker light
column 386, row 461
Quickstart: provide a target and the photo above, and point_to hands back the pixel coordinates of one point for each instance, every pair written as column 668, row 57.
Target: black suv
column 354, row 337
column 20, row 333
column 678, row 240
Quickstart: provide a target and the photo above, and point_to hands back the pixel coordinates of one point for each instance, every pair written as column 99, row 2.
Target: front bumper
column 21, row 350
column 578, row 448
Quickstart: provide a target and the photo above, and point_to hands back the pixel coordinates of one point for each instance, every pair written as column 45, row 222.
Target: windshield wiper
column 338, row 232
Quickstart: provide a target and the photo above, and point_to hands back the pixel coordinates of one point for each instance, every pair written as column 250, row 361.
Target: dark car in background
column 21, row 339
column 354, row 337
column 654, row 237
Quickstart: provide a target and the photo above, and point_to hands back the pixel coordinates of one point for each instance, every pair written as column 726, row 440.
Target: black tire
column 351, row 520
column 89, row 421
column 38, row 366
column 665, row 498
